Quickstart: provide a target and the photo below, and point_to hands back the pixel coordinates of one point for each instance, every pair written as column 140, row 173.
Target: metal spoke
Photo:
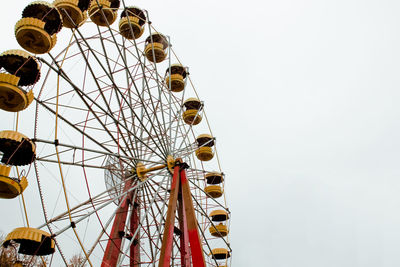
column 115, row 86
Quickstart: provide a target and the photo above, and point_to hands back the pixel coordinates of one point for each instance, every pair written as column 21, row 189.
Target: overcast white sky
column 303, row 97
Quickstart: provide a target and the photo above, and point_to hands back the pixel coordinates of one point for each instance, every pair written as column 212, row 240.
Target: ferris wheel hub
column 171, row 163
column 141, row 169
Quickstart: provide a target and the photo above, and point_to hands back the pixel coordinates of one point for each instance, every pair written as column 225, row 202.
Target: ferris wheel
column 110, row 152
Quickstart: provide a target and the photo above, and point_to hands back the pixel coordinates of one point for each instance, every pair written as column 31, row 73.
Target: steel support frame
column 113, row 248
column 135, row 247
column 180, row 194
column 184, row 235
column 190, row 244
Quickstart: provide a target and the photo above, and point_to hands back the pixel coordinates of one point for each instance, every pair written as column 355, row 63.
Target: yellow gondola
column 73, row 12
column 104, row 13
column 191, row 114
column 10, row 187
column 219, row 215
column 31, row 241
column 13, row 98
column 36, row 31
column 133, row 20
column 24, row 70
column 214, row 177
column 17, row 148
column 156, row 44
column 219, row 230
column 204, row 151
column 177, row 76
column 220, row 253
column 214, row 191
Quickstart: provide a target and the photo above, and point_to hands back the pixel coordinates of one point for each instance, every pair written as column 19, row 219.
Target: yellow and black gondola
column 131, row 24
column 73, row 12
column 36, row 31
column 23, row 70
column 156, row 45
column 103, row 12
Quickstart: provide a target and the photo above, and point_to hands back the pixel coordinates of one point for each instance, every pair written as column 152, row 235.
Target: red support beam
column 194, row 237
column 113, row 248
column 135, row 247
column 168, row 236
column 180, row 192
column 184, row 235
